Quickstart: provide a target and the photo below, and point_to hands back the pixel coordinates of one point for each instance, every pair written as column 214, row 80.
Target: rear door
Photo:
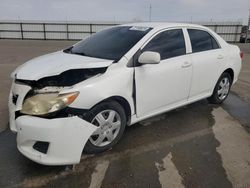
column 159, row 86
column 207, row 59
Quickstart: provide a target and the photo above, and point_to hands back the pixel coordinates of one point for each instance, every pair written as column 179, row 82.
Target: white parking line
column 168, row 173
column 99, row 174
column 234, row 148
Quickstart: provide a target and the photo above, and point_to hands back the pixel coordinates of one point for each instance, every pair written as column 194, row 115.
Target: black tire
column 214, row 99
column 107, row 105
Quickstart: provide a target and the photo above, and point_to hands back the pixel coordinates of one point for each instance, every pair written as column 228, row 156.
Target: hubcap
column 223, row 88
column 109, row 124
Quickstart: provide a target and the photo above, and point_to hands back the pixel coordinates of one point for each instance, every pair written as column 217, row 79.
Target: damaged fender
column 66, row 137
column 17, row 94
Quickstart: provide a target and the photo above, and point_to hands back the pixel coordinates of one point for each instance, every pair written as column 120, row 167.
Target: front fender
column 116, row 81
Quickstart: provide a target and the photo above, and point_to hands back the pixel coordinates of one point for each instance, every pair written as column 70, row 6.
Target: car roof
column 162, row 25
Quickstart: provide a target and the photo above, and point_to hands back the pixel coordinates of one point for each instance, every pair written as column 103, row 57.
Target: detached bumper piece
column 53, row 141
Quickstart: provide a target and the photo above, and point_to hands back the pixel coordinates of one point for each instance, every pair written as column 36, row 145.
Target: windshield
column 110, row 43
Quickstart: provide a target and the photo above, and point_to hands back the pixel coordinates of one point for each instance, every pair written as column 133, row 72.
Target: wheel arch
column 123, row 102
column 230, row 72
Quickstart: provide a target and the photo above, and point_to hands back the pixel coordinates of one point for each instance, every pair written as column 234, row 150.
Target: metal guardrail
column 230, row 31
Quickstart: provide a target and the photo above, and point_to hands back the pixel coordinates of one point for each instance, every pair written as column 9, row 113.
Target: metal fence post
column 44, row 32
column 67, row 30
column 21, row 28
column 236, row 33
column 215, row 28
column 91, row 29
column 248, row 27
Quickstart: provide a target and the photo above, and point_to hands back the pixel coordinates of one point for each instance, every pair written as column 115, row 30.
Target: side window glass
column 168, row 43
column 215, row 44
column 201, row 40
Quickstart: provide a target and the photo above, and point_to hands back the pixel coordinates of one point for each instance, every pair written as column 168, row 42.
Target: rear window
column 202, row 40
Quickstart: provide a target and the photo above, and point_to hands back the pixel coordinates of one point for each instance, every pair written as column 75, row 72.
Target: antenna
column 150, row 12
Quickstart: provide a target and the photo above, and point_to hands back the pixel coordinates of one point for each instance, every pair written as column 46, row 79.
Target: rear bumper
column 66, row 137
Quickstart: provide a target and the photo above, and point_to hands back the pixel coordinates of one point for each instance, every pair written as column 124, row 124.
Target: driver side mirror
column 149, row 57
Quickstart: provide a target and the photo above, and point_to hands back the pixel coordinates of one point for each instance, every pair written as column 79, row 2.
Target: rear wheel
column 110, row 118
column 221, row 89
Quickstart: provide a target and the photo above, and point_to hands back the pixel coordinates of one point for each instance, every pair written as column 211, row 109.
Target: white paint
column 67, row 137
column 20, row 91
column 206, row 71
column 169, row 177
column 159, row 86
column 234, row 148
column 149, row 58
column 99, row 174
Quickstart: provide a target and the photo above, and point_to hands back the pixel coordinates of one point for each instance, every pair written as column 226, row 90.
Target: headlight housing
column 45, row 103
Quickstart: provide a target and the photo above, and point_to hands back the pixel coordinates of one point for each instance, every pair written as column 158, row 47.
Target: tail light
column 241, row 55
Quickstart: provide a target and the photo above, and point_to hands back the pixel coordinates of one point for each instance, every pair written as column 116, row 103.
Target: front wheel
column 110, row 118
column 221, row 89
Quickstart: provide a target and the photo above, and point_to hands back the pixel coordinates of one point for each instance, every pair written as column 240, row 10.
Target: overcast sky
column 125, row 10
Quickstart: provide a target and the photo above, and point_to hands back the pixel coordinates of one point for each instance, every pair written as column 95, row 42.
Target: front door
column 164, row 85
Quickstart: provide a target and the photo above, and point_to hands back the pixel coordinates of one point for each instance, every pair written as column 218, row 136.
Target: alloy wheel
column 223, row 88
column 109, row 124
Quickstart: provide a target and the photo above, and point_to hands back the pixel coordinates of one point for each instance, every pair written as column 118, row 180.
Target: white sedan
column 83, row 97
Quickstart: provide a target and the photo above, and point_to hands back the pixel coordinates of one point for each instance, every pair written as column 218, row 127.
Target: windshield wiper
column 68, row 50
column 79, row 53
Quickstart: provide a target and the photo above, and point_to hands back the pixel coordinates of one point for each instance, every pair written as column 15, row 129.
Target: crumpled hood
column 56, row 63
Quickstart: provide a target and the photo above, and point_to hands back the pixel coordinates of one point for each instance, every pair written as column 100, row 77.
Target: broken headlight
column 45, row 103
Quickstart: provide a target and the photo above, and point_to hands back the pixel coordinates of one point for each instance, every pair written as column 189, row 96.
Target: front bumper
column 18, row 91
column 66, row 137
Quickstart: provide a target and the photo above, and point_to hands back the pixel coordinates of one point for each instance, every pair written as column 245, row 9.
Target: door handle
column 186, row 64
column 220, row 57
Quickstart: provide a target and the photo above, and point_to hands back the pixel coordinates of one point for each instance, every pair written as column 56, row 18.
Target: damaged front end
column 66, row 78
column 43, row 97
column 48, row 130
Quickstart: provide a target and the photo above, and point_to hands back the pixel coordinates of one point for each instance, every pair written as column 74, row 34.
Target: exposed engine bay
column 67, row 78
